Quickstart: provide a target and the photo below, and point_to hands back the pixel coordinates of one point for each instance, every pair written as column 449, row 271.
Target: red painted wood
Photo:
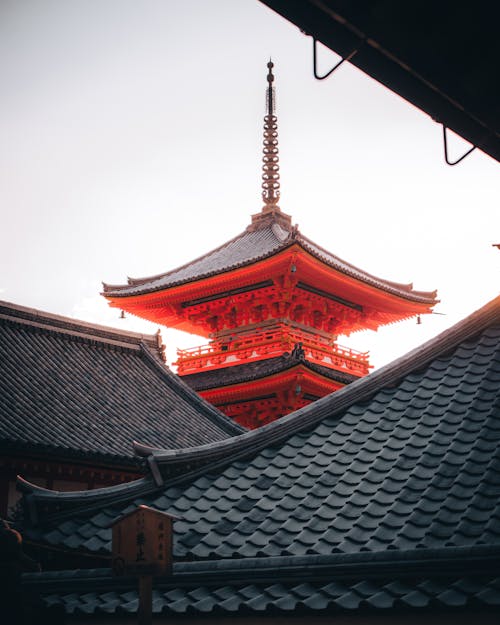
column 262, row 311
column 283, row 298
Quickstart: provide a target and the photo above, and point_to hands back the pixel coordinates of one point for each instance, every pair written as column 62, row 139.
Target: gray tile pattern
column 249, row 247
column 283, row 598
column 386, row 500
column 80, row 390
column 442, row 579
column 416, row 466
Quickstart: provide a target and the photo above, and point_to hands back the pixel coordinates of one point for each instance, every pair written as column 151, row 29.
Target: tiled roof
column 383, row 495
column 405, row 458
column 237, row 374
column 307, row 584
column 246, row 248
column 70, row 388
column 250, row 246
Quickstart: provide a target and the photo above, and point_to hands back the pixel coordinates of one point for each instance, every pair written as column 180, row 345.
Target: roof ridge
column 215, row 415
column 344, row 564
column 73, row 327
column 105, row 458
column 75, row 335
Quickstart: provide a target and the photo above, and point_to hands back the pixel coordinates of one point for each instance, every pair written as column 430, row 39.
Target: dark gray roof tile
column 247, row 248
column 415, row 599
column 76, row 389
column 374, row 476
column 453, row 598
column 490, row 594
column 237, row 374
column 282, row 596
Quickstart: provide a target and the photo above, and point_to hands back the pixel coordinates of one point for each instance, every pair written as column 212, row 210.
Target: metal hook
column 315, row 62
column 445, row 141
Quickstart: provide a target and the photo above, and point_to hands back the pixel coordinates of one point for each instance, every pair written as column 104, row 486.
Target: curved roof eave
column 133, row 283
column 158, row 283
column 401, row 289
column 240, row 374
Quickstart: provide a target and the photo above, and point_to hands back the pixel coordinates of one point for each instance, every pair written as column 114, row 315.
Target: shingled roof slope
column 249, row 247
column 405, row 458
column 70, row 388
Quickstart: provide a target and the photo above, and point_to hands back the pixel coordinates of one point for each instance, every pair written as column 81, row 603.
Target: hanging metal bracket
column 315, row 62
column 445, row 143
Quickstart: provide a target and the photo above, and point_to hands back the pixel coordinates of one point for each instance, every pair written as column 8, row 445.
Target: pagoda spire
column 270, row 168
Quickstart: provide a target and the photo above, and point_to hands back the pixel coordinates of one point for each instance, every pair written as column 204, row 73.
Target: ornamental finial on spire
column 270, row 168
column 270, row 89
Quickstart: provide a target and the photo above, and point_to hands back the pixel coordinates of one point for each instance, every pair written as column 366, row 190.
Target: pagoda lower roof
column 252, row 371
column 263, row 239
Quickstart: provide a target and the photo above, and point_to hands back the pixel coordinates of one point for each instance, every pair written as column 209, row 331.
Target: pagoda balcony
column 270, row 344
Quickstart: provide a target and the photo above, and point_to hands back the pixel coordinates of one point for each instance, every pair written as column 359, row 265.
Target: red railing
column 257, row 346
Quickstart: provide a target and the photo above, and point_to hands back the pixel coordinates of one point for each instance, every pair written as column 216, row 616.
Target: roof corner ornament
column 270, row 168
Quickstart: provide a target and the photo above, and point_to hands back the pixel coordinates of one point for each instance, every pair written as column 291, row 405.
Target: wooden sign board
column 142, row 543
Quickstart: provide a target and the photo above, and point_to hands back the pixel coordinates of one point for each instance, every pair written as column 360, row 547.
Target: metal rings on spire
column 270, row 167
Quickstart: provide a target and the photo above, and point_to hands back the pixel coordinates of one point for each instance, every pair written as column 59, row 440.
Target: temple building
column 272, row 304
column 73, row 396
column 377, row 504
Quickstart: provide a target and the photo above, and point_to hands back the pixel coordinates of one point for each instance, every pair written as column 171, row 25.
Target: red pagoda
column 272, row 302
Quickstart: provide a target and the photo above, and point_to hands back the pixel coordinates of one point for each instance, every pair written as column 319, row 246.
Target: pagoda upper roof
column 71, row 389
column 269, row 234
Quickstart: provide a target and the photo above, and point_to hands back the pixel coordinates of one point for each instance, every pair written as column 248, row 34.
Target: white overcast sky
column 130, row 143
